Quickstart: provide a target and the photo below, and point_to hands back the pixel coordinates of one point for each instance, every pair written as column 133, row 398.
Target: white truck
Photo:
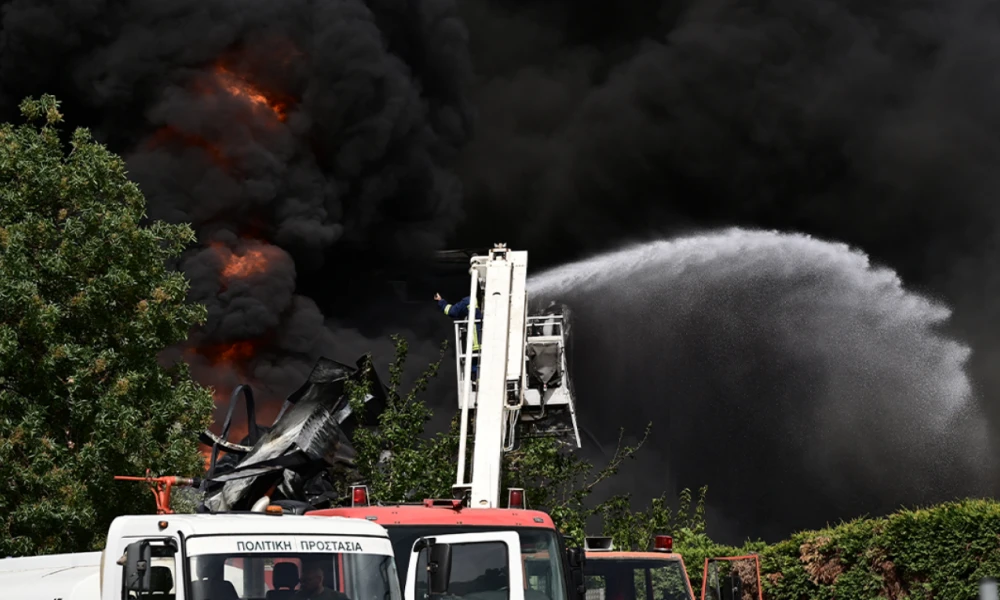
column 260, row 555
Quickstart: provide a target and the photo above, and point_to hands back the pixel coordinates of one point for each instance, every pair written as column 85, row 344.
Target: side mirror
column 439, row 568
column 576, row 557
column 138, row 573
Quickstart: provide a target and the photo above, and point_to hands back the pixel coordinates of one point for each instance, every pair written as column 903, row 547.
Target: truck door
column 485, row 566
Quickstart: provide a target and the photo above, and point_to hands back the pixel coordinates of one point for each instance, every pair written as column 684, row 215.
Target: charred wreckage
column 305, row 459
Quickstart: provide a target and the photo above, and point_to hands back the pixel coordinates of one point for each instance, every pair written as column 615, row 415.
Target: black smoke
column 871, row 123
column 312, row 135
column 875, row 124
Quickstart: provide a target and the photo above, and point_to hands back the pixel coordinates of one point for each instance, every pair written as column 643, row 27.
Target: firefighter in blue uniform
column 460, row 312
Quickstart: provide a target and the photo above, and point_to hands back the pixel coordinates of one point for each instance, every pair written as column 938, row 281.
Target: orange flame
column 267, row 405
column 242, row 266
column 240, row 87
column 234, row 354
column 253, row 260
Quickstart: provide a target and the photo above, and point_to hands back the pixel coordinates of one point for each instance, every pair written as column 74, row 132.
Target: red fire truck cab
column 493, row 551
column 630, row 575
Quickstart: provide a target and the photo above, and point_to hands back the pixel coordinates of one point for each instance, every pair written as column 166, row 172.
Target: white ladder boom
column 522, row 376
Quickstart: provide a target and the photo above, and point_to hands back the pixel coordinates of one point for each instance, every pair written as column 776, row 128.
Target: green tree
column 396, row 459
column 401, row 463
column 86, row 306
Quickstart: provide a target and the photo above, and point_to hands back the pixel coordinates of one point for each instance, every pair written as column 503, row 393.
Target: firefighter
column 460, row 312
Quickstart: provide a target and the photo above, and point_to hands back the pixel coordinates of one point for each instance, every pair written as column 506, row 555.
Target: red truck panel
column 423, row 515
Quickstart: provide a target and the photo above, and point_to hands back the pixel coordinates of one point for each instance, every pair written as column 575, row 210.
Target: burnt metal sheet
column 306, row 453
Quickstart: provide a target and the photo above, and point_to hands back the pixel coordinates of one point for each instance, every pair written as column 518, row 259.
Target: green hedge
column 939, row 552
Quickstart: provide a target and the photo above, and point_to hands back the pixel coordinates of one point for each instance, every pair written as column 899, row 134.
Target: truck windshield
column 636, row 579
column 541, row 560
column 272, row 570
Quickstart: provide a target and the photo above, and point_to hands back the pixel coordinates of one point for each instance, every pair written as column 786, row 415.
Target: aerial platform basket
column 544, row 400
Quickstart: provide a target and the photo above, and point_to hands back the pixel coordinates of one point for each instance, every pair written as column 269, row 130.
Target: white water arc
column 772, row 362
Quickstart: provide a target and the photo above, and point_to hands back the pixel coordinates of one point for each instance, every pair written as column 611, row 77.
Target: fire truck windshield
column 636, row 579
column 290, row 575
column 479, row 570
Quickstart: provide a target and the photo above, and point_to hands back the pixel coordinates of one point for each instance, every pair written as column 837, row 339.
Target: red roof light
column 515, row 498
column 359, row 495
column 663, row 543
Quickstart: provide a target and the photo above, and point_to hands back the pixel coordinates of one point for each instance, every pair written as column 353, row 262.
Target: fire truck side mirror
column 138, row 571
column 439, row 568
column 576, row 557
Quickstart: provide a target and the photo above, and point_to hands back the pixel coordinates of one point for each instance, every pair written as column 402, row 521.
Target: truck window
column 478, row 572
column 541, row 556
column 596, row 587
column 285, row 576
column 542, row 561
column 611, row 579
column 162, row 585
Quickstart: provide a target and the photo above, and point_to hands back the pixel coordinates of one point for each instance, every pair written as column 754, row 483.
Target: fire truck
column 611, row 574
column 469, row 545
column 261, row 554
column 615, row 575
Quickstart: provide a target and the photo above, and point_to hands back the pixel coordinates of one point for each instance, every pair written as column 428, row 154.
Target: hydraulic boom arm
column 512, row 343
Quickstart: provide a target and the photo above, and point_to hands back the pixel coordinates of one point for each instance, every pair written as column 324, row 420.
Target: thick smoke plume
column 320, row 146
column 871, row 123
column 294, row 136
column 789, row 374
column 874, row 124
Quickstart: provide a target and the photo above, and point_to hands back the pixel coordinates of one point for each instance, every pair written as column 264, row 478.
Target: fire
column 251, row 260
column 236, row 86
column 235, row 354
column 241, row 88
column 235, row 358
column 267, row 405
column 225, row 365
column 167, row 135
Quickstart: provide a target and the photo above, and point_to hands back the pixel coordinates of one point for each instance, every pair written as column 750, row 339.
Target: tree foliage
column 941, row 551
column 557, row 480
column 396, row 459
column 401, row 463
column 937, row 552
column 86, row 306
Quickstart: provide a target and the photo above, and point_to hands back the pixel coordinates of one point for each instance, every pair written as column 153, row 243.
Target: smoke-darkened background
column 323, row 150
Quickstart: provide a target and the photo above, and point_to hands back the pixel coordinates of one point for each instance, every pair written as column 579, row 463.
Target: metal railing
column 546, row 326
column 461, row 327
column 537, row 326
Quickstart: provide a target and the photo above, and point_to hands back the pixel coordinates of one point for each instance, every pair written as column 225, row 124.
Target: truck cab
column 496, row 553
column 246, row 556
column 615, row 575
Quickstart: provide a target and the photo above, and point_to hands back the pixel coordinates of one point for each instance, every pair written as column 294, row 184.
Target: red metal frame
column 341, row 586
column 756, row 561
column 161, row 487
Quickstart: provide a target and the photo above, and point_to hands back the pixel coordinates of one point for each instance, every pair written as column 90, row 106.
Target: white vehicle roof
column 76, row 576
column 244, row 524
